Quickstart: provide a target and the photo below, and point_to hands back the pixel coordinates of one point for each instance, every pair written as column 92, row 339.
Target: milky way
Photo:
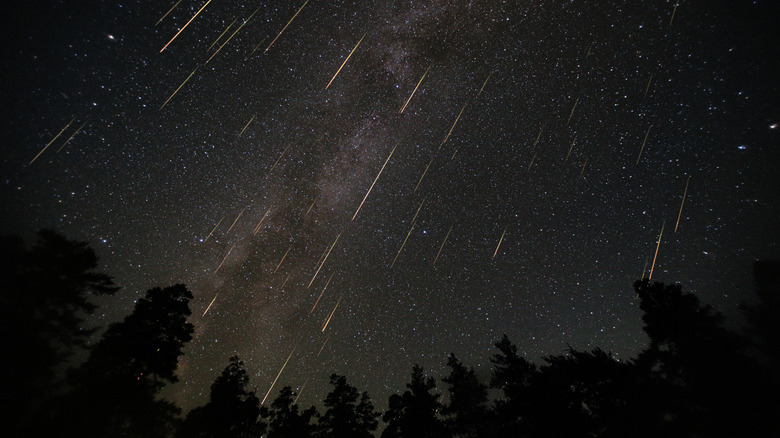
column 541, row 146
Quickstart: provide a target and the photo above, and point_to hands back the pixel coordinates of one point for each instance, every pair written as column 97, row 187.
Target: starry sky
column 542, row 147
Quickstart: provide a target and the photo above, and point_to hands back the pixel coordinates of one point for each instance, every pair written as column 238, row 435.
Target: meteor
column 324, row 260
column 300, row 391
column 643, row 144
column 499, row 242
column 285, row 27
column 570, row 148
column 210, row 304
column 331, row 314
column 583, row 168
column 282, row 260
column 484, row 83
column 442, row 245
column 423, row 175
column 345, row 61
column 415, row 90
column 682, row 203
column 648, row 86
column 323, row 291
column 232, row 35
column 375, row 179
column 532, row 162
column 572, row 110
column 246, row 126
column 177, row 90
column 215, row 229
column 166, row 14
column 277, row 376
column 673, row 12
column 280, row 157
column 285, row 281
column 52, row 141
column 225, row 258
column 414, row 219
column 453, row 127
column 234, row 222
column 311, row 206
column 323, row 346
column 402, row 245
column 185, row 26
column 72, row 135
column 223, row 33
column 658, row 245
column 538, row 137
column 257, row 228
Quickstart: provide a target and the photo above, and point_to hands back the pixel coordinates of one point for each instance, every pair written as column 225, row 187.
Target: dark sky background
column 543, row 240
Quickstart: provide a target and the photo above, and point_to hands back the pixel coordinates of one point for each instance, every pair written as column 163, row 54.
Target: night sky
column 527, row 127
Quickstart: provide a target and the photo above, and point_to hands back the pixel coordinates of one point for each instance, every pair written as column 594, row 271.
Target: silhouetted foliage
column 115, row 391
column 512, row 375
column 286, row 420
column 414, row 413
column 44, row 300
column 348, row 414
column 232, row 411
column 466, row 414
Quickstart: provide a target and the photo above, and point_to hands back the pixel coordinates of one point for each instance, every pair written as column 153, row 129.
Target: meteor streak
column 323, row 346
column 570, row 148
column 414, row 219
column 643, row 144
column 673, row 11
column 225, row 258
column 532, row 162
column 415, row 90
column 185, row 26
column 442, row 245
column 345, row 61
column 223, row 33
column 572, row 110
column 682, row 203
column 234, row 222
column 215, row 229
column 453, row 126
column 72, row 135
column 403, row 244
column 257, row 46
column 658, row 245
column 285, row 280
column 277, row 376
column 499, row 242
column 52, row 141
column 583, row 168
column 331, row 314
column 166, row 14
column 177, row 90
column 285, row 27
column 280, row 157
column 324, row 260
column 282, row 260
column 375, row 179
column 423, row 175
column 246, row 126
column 538, row 137
column 648, row 86
column 257, row 228
column 210, row 304
column 232, row 35
column 300, row 391
column 484, row 83
column 321, row 293
column 311, row 206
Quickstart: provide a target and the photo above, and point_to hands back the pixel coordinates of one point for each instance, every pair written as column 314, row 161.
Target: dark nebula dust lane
column 355, row 187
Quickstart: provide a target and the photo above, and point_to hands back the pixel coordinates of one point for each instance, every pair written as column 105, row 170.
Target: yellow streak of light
column 324, row 260
column 673, row 12
column 538, row 137
column 215, row 229
column 499, row 242
column 644, row 268
column 257, row 46
column 277, row 376
column 442, row 245
column 648, row 86
column 415, row 90
column 572, row 110
column 590, row 49
column 402, row 246
column 234, row 222
column 682, row 203
column 414, row 219
column 210, row 304
column 285, row 27
column 232, row 35
column 246, row 126
column 225, row 258
column 532, row 162
column 166, row 14
column 52, row 141
column 73, row 135
column 658, row 245
column 185, row 26
column 375, row 180
column 282, row 260
column 331, row 314
column 643, row 144
column 453, row 153
column 484, row 83
column 300, row 391
column 280, row 157
column 321, row 293
column 453, row 127
column 423, row 175
column 582, row 172
column 285, row 280
column 570, row 148
column 323, row 346
column 177, row 90
column 257, row 228
column 345, row 61
column 311, row 206
column 223, row 33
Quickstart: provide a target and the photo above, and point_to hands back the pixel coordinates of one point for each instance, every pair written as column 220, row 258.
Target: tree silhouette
column 286, row 420
column 43, row 303
column 349, row 414
column 115, row 391
column 466, row 414
column 232, row 411
column 512, row 374
column 414, row 413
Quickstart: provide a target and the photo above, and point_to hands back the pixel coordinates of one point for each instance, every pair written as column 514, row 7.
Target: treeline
column 695, row 379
